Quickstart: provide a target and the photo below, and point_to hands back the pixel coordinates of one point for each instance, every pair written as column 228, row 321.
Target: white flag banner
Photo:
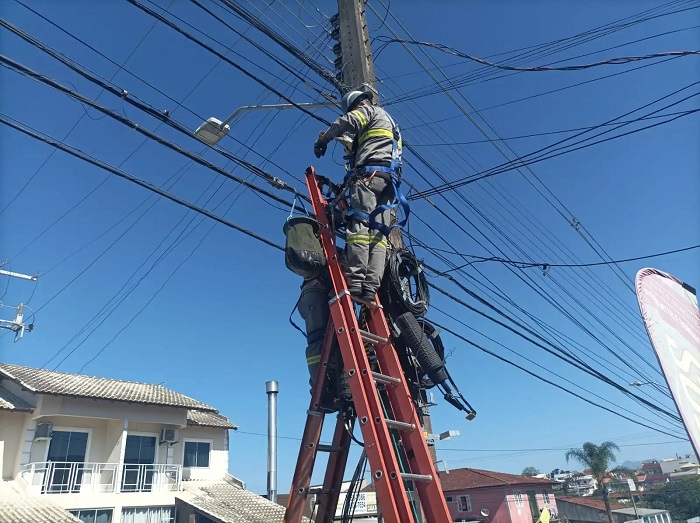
column 670, row 311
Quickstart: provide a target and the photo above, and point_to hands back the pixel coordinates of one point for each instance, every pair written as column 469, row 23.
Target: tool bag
column 303, row 253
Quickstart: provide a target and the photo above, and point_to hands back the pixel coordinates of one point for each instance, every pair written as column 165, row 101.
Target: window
column 545, row 496
column 448, row 499
column 199, row 518
column 518, row 496
column 93, row 515
column 148, row 515
column 196, row 454
column 66, row 453
column 465, row 503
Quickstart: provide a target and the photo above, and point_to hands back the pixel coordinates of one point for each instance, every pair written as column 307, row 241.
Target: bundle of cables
column 406, row 284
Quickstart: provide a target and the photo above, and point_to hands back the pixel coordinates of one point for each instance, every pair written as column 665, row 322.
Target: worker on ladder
column 372, row 184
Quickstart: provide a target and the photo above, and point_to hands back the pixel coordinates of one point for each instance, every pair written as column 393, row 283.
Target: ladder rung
column 383, row 378
column 319, row 490
column 400, row 425
column 373, row 338
column 328, row 448
column 416, row 477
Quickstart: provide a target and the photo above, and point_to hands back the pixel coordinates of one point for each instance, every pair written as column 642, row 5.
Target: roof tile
column 199, row 418
column 52, row 382
column 468, row 478
column 17, row 506
column 230, row 503
column 9, row 401
column 589, row 502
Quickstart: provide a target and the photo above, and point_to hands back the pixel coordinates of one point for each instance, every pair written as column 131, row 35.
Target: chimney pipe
column 272, row 388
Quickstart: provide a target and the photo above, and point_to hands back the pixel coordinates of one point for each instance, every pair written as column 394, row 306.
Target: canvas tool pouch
column 303, row 251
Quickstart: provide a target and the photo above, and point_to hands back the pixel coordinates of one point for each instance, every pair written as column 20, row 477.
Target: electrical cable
column 611, row 61
column 11, row 64
column 98, row 163
column 535, row 375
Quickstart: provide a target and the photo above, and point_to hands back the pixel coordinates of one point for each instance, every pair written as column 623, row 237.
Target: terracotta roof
column 9, row 401
column 227, row 503
column 589, row 502
column 654, row 477
column 467, row 478
column 61, row 383
column 199, row 418
column 17, row 506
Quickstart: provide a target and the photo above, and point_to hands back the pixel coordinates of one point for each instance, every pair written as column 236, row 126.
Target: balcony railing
column 55, row 477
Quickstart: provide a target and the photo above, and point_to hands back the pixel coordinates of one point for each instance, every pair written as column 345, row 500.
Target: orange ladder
column 381, row 434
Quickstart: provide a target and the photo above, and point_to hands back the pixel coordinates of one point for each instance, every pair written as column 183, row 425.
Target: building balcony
column 55, row 477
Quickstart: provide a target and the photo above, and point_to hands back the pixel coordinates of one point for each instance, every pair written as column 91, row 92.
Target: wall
column 218, row 459
column 11, row 428
column 500, row 503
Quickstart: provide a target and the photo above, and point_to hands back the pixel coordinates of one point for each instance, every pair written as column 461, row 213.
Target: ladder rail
column 308, row 449
column 335, row 470
column 419, row 459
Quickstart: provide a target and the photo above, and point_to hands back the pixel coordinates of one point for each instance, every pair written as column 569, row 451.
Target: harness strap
column 399, row 201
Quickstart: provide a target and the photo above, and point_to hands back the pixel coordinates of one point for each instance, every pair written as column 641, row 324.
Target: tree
column 530, row 471
column 597, row 458
column 681, row 497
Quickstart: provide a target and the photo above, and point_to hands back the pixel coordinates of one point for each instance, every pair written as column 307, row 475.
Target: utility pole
column 355, row 70
column 17, row 325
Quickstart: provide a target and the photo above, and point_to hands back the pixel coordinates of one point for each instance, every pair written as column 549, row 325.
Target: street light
column 212, row 130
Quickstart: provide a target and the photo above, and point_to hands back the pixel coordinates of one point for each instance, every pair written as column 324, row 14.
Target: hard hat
column 353, row 97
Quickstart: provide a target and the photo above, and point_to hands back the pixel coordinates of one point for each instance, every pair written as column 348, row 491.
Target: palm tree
column 597, row 458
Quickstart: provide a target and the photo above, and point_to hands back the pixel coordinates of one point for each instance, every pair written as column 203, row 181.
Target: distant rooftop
column 589, row 502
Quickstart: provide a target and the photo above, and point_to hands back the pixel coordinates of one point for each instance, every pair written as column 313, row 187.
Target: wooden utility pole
column 357, row 62
column 356, row 69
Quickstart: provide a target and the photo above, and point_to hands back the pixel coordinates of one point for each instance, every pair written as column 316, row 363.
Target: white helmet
column 352, row 98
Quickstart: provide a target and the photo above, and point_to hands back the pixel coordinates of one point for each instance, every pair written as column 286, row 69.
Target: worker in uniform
column 374, row 159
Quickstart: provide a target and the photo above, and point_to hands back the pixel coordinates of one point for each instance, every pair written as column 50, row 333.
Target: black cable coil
column 407, row 285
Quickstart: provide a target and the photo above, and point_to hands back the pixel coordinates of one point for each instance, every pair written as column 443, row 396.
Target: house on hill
column 495, row 497
column 77, row 448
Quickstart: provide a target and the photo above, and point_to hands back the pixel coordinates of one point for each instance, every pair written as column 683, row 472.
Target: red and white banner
column 670, row 311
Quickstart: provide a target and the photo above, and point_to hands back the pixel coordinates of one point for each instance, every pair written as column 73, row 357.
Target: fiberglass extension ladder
column 382, row 435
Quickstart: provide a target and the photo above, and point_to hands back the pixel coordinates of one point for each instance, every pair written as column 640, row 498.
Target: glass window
column 448, row 499
column 545, row 496
column 93, row 515
column 196, row 454
column 465, row 503
column 518, row 496
column 199, row 518
column 148, row 515
column 66, row 453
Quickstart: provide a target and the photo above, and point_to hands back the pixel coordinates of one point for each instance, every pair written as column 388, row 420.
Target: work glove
column 320, row 148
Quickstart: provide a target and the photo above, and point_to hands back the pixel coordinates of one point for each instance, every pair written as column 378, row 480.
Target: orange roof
column 468, row 478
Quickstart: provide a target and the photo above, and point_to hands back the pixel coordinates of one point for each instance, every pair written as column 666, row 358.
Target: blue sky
column 216, row 302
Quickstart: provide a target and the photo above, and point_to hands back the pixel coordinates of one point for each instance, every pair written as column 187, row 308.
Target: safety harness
column 394, row 171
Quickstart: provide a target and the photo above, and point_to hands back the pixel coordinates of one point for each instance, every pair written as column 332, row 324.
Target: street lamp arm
column 273, row 106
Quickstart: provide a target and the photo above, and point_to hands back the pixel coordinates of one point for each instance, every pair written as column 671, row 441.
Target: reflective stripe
column 388, row 133
column 358, row 114
column 366, row 239
column 311, row 360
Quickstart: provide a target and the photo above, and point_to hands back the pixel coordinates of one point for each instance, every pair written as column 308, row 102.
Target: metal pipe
column 272, row 388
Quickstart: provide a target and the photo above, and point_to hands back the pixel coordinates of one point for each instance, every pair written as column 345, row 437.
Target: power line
column 546, row 266
column 33, row 133
column 611, row 61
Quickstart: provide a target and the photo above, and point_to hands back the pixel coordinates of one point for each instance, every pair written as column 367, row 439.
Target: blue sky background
column 204, row 309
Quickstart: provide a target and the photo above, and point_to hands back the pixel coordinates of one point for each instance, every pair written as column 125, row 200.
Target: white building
column 110, row 451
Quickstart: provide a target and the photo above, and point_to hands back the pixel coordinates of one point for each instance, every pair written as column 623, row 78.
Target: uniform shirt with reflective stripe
column 373, row 127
